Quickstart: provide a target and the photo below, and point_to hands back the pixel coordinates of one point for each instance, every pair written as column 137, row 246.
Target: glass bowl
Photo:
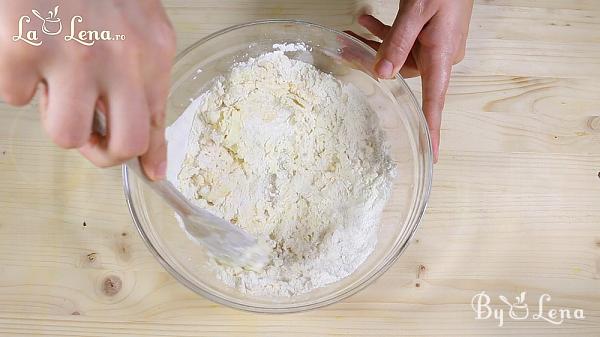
column 349, row 60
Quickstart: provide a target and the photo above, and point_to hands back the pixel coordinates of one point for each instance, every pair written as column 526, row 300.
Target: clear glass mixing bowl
column 349, row 60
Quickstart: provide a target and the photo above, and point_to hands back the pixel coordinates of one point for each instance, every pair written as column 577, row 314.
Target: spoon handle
column 163, row 188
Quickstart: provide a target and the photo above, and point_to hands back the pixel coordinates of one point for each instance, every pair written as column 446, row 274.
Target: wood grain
column 515, row 204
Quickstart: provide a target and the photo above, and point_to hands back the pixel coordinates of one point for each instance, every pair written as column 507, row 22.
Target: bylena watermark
column 518, row 310
column 52, row 25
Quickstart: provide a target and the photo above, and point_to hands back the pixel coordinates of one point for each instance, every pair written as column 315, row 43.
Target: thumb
column 399, row 41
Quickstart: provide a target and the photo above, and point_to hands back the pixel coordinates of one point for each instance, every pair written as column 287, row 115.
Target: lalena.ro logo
column 51, row 25
column 518, row 310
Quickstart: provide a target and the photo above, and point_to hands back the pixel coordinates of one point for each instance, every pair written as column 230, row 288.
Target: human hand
column 427, row 38
column 127, row 80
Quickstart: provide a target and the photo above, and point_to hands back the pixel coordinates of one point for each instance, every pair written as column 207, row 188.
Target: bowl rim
column 424, row 188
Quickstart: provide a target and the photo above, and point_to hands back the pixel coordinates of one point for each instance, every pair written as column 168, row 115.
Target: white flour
column 296, row 158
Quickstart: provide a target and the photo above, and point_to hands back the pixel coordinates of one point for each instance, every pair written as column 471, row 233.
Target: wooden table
column 515, row 204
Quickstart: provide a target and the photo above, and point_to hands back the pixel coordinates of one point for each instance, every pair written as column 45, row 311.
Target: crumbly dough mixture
column 296, row 158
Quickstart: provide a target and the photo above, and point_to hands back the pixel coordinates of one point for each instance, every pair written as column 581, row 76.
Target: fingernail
column 161, row 171
column 385, row 69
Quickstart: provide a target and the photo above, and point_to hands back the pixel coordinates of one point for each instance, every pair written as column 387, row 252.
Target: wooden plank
column 548, row 4
column 554, row 25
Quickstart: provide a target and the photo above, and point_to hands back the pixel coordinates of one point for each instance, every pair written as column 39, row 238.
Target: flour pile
column 296, row 158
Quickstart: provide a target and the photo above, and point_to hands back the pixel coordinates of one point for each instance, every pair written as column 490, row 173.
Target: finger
column 67, row 117
column 374, row 26
column 128, row 121
column 18, row 82
column 399, row 40
column 158, row 81
column 95, row 151
column 128, row 126
column 154, row 161
column 435, row 65
column 409, row 69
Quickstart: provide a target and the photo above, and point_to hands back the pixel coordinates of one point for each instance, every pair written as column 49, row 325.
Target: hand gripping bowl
column 349, row 60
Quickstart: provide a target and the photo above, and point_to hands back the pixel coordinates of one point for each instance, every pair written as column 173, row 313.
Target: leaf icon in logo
column 55, row 13
column 36, row 13
column 505, row 300
column 520, row 299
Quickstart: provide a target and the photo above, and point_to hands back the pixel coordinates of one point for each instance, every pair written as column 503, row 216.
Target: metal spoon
column 228, row 243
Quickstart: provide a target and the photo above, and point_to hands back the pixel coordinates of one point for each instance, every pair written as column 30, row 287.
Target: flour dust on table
column 296, row 158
